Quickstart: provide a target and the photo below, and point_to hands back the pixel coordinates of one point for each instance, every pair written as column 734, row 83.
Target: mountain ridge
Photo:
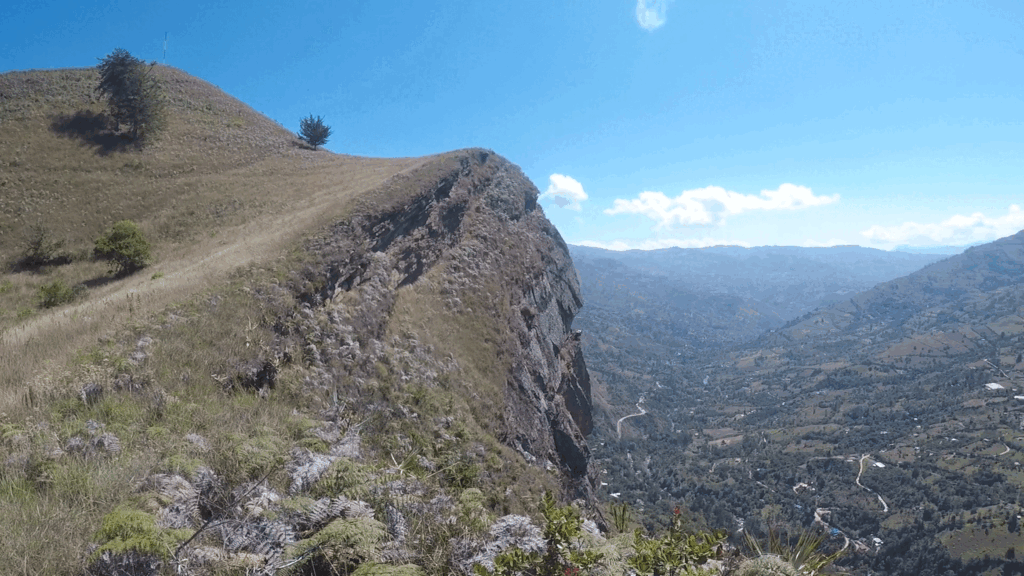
column 323, row 343
column 928, row 300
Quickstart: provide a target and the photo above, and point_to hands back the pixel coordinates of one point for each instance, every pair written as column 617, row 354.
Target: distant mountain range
column 726, row 294
column 945, row 309
column 947, row 250
column 890, row 416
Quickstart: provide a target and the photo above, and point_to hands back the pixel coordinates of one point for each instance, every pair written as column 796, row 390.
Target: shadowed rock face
column 476, row 216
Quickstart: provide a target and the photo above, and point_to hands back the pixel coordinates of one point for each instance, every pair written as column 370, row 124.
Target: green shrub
column 371, row 569
column 677, row 552
column 344, row 477
column 58, row 292
column 621, row 516
column 565, row 552
column 340, row 547
column 129, row 530
column 124, row 246
column 247, row 457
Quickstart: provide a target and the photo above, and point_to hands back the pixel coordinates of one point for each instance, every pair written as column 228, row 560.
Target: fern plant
column 563, row 554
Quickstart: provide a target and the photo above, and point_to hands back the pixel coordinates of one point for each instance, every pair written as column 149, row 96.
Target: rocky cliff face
column 417, row 346
column 464, row 234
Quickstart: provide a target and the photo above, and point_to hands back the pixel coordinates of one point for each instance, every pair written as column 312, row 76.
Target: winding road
column 618, row 425
column 819, row 520
column 885, row 507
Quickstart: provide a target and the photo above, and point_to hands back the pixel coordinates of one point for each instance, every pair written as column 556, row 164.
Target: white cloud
column 565, row 192
column 704, row 206
column 650, row 14
column 658, row 243
column 956, row 231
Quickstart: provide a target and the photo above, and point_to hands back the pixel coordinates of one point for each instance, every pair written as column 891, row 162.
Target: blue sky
column 646, row 123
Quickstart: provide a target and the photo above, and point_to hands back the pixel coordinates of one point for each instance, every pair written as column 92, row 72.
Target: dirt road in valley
column 885, row 507
column 618, row 425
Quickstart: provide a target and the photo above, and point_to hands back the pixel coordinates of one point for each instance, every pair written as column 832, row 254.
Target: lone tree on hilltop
column 313, row 131
column 133, row 94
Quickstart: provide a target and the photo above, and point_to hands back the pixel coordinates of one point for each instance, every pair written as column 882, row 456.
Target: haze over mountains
column 891, row 416
column 726, row 294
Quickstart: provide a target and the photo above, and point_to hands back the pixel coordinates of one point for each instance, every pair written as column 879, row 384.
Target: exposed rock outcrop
column 448, row 281
column 468, row 224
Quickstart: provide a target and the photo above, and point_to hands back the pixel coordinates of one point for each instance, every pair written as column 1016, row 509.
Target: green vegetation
column 58, row 292
column 677, row 552
column 621, row 516
column 131, row 530
column 564, row 552
column 313, row 131
column 805, row 556
column 341, row 547
column 125, row 247
column 134, row 96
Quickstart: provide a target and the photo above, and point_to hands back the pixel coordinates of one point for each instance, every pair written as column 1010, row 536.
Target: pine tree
column 313, row 131
column 133, row 94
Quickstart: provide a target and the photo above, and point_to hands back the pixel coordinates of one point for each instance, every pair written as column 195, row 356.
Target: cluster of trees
column 136, row 100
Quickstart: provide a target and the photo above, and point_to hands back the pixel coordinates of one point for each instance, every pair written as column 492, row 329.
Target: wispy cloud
column 658, row 243
column 650, row 14
column 564, row 191
column 957, row 230
column 711, row 205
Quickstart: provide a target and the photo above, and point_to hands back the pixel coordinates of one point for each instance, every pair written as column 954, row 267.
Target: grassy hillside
column 222, row 383
column 332, row 364
column 222, row 187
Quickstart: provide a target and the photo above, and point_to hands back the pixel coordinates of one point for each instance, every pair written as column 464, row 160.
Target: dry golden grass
column 227, row 198
column 222, row 187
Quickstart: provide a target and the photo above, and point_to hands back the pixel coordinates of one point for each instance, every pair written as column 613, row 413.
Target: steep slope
column 221, row 187
column 357, row 361
column 61, row 163
column 474, row 248
column 964, row 304
column 662, row 310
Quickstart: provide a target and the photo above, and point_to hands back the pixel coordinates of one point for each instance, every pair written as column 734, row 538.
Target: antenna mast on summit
column 165, row 47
